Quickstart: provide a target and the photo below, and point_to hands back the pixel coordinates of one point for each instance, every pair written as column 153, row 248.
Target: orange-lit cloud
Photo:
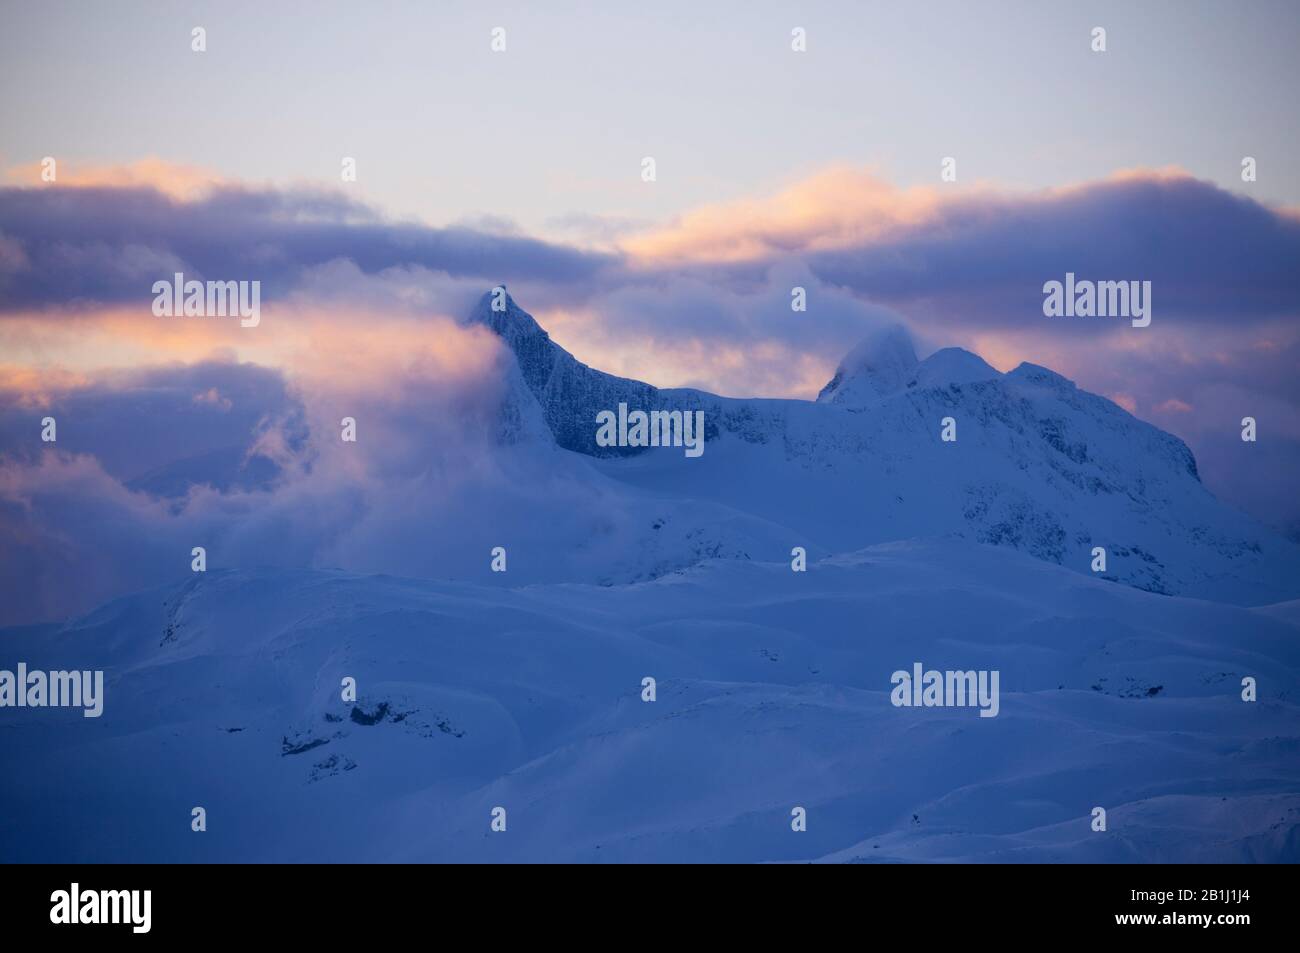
column 838, row 208
column 183, row 183
column 832, row 209
column 343, row 351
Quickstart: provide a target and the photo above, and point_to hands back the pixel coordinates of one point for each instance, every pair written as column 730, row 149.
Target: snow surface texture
column 773, row 692
column 523, row 689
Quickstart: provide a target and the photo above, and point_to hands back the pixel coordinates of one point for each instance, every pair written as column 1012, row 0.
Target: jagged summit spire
column 499, row 312
column 569, row 392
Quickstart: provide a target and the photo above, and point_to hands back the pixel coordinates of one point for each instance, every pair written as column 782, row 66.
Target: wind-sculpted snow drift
column 773, row 692
column 523, row 689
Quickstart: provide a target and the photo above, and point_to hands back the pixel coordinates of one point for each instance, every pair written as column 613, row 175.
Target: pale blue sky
column 445, row 130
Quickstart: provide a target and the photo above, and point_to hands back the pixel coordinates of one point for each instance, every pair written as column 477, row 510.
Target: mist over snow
column 479, row 431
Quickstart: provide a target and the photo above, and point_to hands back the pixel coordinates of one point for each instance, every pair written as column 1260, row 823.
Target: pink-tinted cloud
column 183, row 183
column 838, row 208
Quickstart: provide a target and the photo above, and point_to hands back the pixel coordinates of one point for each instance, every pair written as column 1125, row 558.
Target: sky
column 550, row 133
column 774, row 169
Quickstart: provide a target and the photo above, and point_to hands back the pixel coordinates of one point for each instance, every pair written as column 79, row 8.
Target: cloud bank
column 704, row 301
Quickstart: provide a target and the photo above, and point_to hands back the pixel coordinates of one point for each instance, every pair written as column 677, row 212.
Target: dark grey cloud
column 136, row 423
column 982, row 259
column 108, row 245
column 1210, row 255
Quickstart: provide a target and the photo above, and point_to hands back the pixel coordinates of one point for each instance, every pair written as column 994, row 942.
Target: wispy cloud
column 175, row 180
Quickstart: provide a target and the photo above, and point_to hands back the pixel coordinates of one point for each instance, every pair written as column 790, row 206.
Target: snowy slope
column 773, row 692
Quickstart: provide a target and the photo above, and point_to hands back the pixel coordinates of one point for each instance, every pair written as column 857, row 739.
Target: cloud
column 945, row 259
column 90, row 246
column 983, row 258
column 176, row 181
column 840, row 207
column 248, row 462
column 743, row 340
column 703, row 301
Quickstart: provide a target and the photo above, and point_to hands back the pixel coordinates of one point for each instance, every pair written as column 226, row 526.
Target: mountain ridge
column 1038, row 464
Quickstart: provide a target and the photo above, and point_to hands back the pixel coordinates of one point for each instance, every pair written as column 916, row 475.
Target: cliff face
column 568, row 392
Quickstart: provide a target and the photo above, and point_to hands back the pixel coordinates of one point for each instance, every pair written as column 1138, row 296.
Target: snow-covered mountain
column 1037, row 465
column 524, row 689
